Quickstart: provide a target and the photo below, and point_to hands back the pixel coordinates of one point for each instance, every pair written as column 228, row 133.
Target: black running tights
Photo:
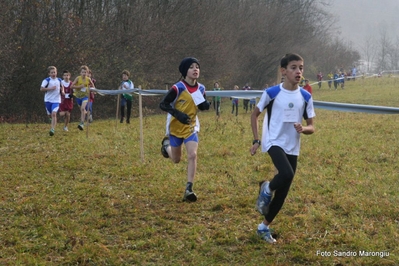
column 280, row 184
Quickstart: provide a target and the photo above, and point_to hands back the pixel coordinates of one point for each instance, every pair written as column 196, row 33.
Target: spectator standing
column 342, row 76
column 319, row 79
column 330, row 79
column 127, row 98
column 336, row 80
column 234, row 102
column 217, row 99
column 246, row 101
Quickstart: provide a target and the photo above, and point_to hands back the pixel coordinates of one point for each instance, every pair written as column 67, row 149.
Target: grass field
column 72, row 200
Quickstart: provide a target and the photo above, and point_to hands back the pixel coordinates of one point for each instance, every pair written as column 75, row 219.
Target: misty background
column 364, row 22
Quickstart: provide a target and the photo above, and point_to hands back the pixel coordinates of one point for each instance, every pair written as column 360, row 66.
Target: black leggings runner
column 280, row 184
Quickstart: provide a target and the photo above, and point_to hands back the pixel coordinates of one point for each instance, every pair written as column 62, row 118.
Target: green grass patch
column 72, row 200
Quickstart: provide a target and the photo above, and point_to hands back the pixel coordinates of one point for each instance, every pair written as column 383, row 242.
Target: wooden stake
column 117, row 111
column 141, row 126
column 88, row 115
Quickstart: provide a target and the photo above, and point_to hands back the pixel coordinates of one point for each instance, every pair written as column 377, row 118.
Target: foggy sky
column 359, row 19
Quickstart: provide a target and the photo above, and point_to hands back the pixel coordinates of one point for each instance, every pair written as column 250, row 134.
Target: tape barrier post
column 141, row 125
column 117, row 109
column 88, row 114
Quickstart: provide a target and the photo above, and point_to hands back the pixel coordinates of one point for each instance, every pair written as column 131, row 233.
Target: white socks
column 267, row 189
column 262, row 226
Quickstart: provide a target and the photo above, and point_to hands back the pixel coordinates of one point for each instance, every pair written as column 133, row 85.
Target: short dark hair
column 288, row 58
column 66, row 71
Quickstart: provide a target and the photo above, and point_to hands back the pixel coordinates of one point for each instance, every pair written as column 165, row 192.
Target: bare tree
column 394, row 55
column 369, row 52
column 384, row 44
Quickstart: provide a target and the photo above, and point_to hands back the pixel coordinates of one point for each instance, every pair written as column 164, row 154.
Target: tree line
column 236, row 41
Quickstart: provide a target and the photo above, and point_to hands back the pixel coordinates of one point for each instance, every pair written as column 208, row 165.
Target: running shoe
column 266, row 235
column 51, row 132
column 165, row 144
column 81, row 126
column 189, row 196
column 264, row 199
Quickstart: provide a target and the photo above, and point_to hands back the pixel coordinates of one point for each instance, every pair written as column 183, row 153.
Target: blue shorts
column 177, row 142
column 51, row 107
column 80, row 101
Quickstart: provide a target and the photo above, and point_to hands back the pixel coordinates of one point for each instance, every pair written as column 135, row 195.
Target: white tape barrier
column 114, row 92
column 226, row 93
column 362, row 76
column 357, row 108
column 347, row 77
column 334, row 106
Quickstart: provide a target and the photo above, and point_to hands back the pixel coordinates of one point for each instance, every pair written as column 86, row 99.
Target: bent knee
column 192, row 156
